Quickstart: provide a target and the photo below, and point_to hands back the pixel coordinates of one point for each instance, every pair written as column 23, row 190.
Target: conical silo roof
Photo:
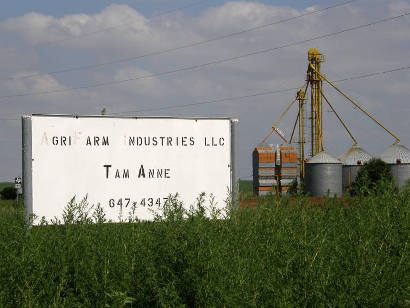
column 394, row 153
column 323, row 158
column 355, row 156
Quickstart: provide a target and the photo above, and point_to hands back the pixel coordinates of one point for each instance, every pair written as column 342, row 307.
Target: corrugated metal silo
column 352, row 161
column 323, row 175
column 398, row 156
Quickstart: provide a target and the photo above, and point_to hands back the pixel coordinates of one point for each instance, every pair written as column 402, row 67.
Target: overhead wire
column 233, row 98
column 206, row 64
column 339, row 118
column 355, row 104
column 367, row 75
column 226, row 99
column 161, row 52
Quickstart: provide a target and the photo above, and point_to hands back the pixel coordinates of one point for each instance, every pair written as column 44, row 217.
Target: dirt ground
column 313, row 202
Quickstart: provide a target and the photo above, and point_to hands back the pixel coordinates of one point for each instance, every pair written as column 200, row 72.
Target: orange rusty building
column 274, row 170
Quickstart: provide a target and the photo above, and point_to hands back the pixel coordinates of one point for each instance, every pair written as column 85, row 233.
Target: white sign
column 17, row 183
column 125, row 163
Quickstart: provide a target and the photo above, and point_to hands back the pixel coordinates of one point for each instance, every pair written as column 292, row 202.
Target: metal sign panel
column 17, row 185
column 125, row 163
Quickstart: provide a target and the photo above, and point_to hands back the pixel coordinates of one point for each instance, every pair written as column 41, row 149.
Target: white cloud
column 147, row 87
column 38, row 28
column 27, row 85
column 234, row 16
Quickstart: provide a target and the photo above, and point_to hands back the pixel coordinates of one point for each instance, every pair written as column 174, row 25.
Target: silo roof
column 395, row 152
column 323, row 158
column 354, row 155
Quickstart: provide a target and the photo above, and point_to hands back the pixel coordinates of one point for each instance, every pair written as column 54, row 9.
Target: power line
column 374, row 74
column 226, row 99
column 368, row 75
column 215, row 62
column 161, row 52
column 117, row 26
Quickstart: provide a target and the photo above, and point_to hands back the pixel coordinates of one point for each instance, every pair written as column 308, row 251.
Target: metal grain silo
column 352, row 161
column 398, row 156
column 323, row 175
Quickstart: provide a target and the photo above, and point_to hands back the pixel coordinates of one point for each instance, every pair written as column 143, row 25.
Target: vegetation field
column 246, row 187
column 5, row 184
column 281, row 253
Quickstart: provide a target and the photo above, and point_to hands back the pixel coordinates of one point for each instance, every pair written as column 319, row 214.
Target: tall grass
column 282, row 253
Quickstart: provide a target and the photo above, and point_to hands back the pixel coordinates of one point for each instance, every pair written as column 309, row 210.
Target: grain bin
column 263, row 162
column 398, row 157
column 323, row 175
column 352, row 161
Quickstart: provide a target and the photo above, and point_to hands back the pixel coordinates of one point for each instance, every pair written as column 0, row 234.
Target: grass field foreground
column 280, row 253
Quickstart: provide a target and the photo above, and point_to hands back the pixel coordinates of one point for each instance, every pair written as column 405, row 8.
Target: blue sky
column 42, row 36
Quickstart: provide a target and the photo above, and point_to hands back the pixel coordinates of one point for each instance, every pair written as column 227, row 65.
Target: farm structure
column 398, row 156
column 275, row 170
column 322, row 174
column 352, row 161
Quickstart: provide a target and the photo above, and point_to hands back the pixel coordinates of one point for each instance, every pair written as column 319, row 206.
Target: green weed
column 281, row 253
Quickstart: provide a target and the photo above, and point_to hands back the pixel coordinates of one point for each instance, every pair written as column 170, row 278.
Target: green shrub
column 373, row 179
column 297, row 188
column 8, row 193
column 280, row 254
